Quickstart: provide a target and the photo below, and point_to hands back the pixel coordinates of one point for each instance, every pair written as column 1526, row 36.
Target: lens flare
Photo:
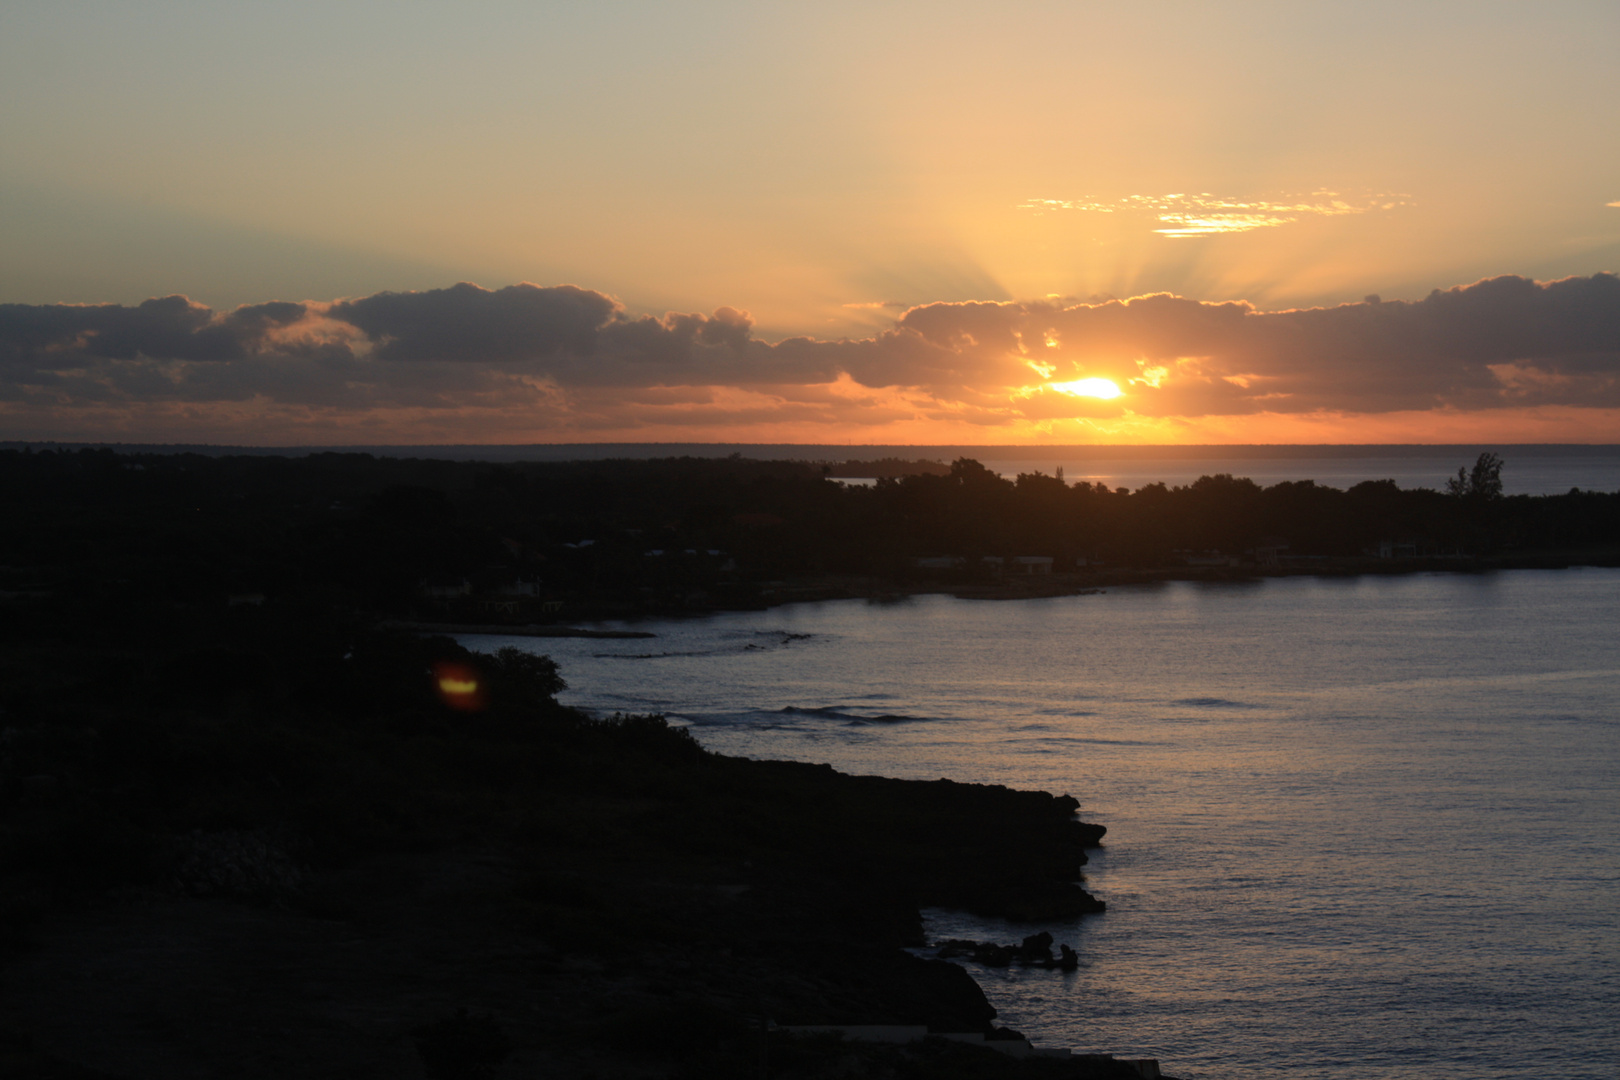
column 459, row 687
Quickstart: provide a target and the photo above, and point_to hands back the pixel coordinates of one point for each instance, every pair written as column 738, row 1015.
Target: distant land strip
column 846, row 451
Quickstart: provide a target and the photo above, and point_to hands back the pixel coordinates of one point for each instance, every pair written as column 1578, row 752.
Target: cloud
column 1182, row 215
column 79, row 335
column 561, row 358
column 467, row 324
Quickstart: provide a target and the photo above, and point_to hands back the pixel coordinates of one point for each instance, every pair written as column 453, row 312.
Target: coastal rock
column 1030, row 902
column 1035, row 951
column 1037, row 948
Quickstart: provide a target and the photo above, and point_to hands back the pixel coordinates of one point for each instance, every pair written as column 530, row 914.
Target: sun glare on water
column 1093, row 387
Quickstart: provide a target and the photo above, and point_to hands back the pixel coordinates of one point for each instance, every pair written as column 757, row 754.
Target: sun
column 1093, row 387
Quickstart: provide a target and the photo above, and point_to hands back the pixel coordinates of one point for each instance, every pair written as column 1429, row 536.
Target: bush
column 648, row 733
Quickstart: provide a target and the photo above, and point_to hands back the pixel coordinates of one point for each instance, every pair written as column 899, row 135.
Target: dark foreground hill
column 221, row 861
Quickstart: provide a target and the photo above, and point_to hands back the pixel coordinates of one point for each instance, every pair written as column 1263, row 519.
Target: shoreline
column 1075, row 583
column 302, row 879
column 740, row 888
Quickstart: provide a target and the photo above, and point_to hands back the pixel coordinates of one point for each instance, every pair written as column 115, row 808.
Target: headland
column 327, row 868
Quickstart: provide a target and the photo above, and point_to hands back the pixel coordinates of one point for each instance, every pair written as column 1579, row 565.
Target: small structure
column 1031, row 565
column 1270, row 551
column 520, row 588
column 445, row 588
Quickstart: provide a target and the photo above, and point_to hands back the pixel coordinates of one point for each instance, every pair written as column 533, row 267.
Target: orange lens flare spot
column 459, row 687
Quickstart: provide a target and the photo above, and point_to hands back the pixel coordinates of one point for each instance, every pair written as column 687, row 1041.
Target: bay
column 1358, row 827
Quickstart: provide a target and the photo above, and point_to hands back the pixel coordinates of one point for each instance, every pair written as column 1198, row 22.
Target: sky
column 362, row 223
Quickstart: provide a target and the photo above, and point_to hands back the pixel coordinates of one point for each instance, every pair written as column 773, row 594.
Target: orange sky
column 829, row 170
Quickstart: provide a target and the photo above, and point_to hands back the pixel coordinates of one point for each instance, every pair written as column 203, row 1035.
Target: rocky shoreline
column 347, row 894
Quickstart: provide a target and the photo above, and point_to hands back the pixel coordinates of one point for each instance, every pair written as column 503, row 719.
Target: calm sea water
column 1524, row 474
column 1357, row 827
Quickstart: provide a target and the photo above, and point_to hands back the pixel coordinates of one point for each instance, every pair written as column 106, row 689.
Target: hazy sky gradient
column 822, row 167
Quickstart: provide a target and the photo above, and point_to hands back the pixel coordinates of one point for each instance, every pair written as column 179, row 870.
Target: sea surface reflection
column 1358, row 827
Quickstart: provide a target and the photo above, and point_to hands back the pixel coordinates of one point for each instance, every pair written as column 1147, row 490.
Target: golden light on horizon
column 1094, row 387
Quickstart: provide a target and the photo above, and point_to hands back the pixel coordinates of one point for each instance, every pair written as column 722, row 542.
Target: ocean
column 1358, row 827
column 1525, row 473
column 1532, row 468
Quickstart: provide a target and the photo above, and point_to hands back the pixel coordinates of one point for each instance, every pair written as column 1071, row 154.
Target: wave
column 1058, row 715
column 1069, row 740
column 1215, row 703
column 833, row 712
column 731, row 644
column 774, row 639
column 650, row 655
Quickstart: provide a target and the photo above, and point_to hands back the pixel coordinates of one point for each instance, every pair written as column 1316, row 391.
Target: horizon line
column 603, row 450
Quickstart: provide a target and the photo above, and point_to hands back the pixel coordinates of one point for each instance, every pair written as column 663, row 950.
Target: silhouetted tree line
column 140, row 531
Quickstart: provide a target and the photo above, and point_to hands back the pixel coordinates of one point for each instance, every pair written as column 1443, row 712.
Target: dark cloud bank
column 1502, row 342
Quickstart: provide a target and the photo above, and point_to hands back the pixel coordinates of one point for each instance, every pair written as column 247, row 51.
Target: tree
column 1484, row 481
column 524, row 680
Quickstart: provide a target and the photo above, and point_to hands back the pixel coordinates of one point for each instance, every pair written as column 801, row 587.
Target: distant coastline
column 474, row 543
column 1532, row 468
column 510, row 452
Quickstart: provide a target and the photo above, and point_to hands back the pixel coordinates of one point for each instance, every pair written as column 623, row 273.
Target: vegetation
column 141, row 533
column 313, row 770
column 1484, row 481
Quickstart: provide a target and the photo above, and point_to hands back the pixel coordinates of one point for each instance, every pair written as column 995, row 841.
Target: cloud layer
column 562, row 362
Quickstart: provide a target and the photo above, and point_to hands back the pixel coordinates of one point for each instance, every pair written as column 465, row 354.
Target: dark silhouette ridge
column 479, row 543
